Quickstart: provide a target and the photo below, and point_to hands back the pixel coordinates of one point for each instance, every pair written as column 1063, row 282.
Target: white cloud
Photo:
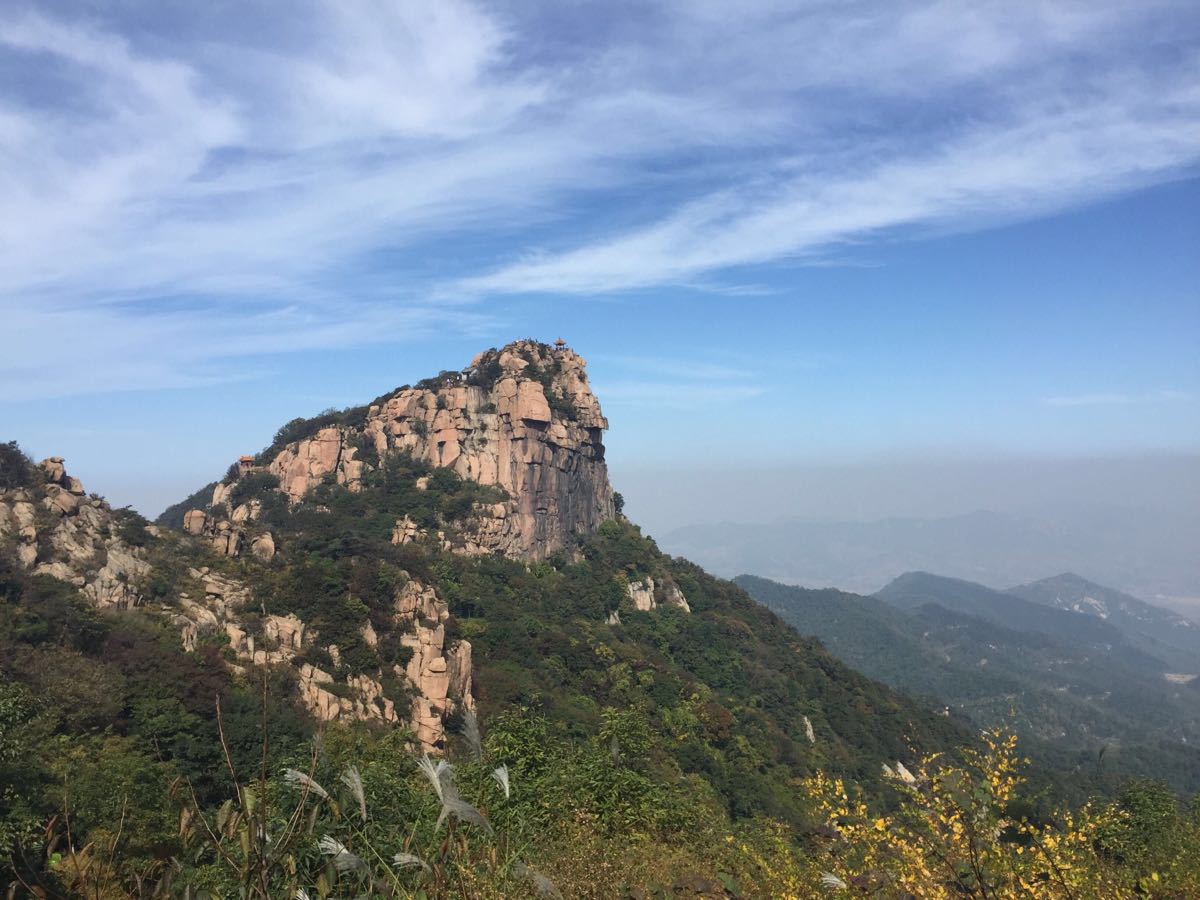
column 1041, row 157
column 184, row 196
column 1116, row 399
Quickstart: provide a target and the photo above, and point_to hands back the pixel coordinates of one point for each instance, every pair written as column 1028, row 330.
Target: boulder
column 642, row 594
column 263, row 547
column 195, row 521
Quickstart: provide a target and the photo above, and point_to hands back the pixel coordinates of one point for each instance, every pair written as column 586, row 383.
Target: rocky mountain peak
column 61, row 531
column 521, row 418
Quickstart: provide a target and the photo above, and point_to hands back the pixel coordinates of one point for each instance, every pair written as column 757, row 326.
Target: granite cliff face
column 522, row 419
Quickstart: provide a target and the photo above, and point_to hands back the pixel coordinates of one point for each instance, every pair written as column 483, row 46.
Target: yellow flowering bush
column 952, row 836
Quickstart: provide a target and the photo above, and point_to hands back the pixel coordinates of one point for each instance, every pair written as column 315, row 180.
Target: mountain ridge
column 1134, row 550
column 455, row 546
column 992, row 656
column 1157, row 625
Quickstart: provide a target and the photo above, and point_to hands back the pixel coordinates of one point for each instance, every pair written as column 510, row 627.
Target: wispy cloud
column 185, row 192
column 1116, row 399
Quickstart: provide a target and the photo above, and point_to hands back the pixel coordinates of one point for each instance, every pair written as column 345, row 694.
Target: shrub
column 16, row 469
column 252, row 486
column 131, row 527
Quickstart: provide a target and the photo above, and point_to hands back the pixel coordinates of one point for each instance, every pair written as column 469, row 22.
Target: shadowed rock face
column 522, row 418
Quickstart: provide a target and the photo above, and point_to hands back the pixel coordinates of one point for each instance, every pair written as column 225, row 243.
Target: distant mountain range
column 1134, row 551
column 1086, row 673
column 1157, row 629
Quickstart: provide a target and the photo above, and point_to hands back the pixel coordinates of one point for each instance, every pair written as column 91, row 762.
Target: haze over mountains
column 1149, row 552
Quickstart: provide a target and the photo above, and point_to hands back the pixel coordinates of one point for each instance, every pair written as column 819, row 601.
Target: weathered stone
column 247, row 512
column 531, row 405
column 85, row 548
column 53, row 469
column 675, row 597
column 305, row 464
column 227, row 542
column 642, row 594
column 221, row 493
column 405, row 531
column 263, row 547
column 195, row 521
column 62, row 499
column 286, row 631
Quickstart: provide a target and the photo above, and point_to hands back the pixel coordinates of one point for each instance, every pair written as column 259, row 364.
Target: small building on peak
column 245, row 464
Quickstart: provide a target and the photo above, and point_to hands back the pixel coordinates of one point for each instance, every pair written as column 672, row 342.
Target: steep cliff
column 522, row 419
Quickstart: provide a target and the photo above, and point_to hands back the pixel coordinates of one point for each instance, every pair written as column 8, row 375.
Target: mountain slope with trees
column 1093, row 704
column 413, row 649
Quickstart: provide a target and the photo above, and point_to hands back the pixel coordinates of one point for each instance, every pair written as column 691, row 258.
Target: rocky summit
column 522, row 419
column 60, row 531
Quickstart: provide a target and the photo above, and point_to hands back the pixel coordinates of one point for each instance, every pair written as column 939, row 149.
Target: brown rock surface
column 81, row 534
column 195, row 521
column 642, row 594
column 263, row 547
column 535, row 431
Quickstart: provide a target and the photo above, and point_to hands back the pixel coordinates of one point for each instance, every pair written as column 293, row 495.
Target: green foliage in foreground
column 525, row 812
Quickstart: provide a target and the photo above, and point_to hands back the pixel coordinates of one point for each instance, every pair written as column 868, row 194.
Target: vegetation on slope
column 1082, row 707
column 664, row 753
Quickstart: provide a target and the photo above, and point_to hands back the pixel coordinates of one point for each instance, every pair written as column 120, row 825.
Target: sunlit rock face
column 59, row 530
column 522, row 418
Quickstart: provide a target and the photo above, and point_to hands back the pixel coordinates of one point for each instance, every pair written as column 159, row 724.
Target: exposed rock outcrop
column 523, row 419
column 645, row 597
column 60, row 531
column 230, row 531
column 305, row 464
column 263, row 547
column 439, row 674
column 642, row 594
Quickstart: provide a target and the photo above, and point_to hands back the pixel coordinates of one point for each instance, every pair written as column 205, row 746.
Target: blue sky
column 801, row 233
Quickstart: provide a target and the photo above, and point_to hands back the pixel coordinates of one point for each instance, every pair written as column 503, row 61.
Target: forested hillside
column 1086, row 698
column 414, row 649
